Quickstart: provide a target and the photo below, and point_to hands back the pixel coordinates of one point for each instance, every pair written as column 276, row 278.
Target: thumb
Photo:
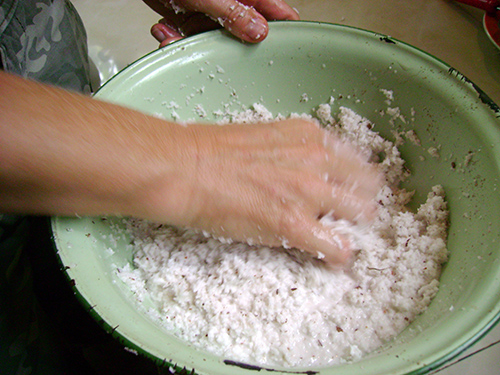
column 165, row 34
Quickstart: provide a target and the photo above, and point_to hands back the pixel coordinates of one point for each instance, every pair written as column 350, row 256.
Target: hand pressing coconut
column 67, row 154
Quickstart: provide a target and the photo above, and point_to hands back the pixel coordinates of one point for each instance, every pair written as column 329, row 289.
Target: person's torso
column 44, row 40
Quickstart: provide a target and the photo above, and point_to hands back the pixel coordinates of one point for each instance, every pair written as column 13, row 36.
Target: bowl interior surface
column 299, row 66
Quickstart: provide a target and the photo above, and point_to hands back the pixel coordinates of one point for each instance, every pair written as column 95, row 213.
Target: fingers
column 317, row 197
column 241, row 20
column 340, row 202
column 273, row 9
column 322, row 242
column 340, row 184
column 350, row 165
column 336, row 180
column 356, row 183
column 345, row 183
column 246, row 19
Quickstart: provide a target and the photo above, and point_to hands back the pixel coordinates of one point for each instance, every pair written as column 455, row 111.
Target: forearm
column 63, row 153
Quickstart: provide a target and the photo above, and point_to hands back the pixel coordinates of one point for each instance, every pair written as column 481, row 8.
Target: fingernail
column 256, row 30
column 162, row 32
column 158, row 35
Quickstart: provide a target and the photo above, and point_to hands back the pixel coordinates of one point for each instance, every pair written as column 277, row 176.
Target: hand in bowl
column 269, row 184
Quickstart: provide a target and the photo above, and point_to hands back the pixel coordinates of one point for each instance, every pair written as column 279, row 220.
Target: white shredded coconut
column 395, row 114
column 412, row 136
column 158, row 115
column 171, row 105
column 434, row 152
column 133, row 351
column 281, row 306
column 468, row 158
column 175, row 7
column 200, row 111
column 304, row 98
column 389, row 94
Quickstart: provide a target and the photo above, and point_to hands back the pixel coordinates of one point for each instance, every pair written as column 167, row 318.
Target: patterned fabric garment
column 44, row 330
column 44, row 40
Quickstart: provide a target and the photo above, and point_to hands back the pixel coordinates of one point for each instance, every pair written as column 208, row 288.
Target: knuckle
column 289, row 223
column 315, row 156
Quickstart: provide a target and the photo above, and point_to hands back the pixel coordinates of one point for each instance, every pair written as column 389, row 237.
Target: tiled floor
column 118, row 33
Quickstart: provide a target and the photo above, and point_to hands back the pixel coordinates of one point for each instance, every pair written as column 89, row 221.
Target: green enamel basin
column 299, row 66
